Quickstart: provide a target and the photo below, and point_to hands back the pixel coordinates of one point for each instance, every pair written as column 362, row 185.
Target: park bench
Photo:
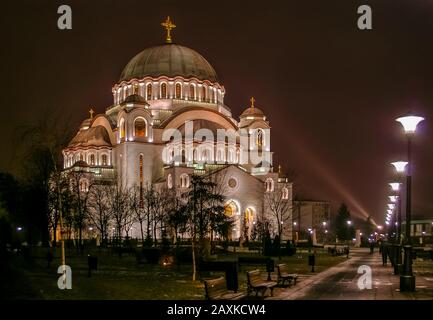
column 216, row 289
column 256, row 283
column 284, row 275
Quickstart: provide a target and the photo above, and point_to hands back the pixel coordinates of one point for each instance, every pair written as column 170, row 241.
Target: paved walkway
column 340, row 282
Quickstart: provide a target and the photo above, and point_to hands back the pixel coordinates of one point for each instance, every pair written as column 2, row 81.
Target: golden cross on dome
column 252, row 102
column 168, row 24
column 91, row 113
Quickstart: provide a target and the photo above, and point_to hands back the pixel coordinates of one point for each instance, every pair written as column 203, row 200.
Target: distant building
column 420, row 230
column 310, row 217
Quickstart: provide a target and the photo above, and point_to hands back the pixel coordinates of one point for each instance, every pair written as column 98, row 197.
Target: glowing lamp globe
column 390, row 211
column 410, row 123
column 393, row 198
column 391, row 205
column 395, row 186
column 399, row 166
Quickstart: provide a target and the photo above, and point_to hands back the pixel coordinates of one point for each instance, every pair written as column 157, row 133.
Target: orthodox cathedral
column 171, row 90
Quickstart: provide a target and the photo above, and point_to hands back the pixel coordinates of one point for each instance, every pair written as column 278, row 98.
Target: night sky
column 331, row 92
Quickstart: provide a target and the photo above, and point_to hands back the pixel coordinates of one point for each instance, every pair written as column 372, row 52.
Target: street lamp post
column 407, row 279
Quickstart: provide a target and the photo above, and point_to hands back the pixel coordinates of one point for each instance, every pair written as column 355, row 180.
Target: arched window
column 163, row 90
column 84, row 185
column 178, row 88
column 220, row 155
column 269, row 185
column 191, row 92
column 135, row 88
column 140, row 127
column 104, row 160
column 92, row 159
column 140, row 177
column 81, row 157
column 203, row 94
column 231, row 157
column 259, row 140
column 122, row 131
column 285, row 193
column 212, row 95
column 184, row 180
column 170, row 181
column 149, row 91
column 125, row 92
column 206, row 155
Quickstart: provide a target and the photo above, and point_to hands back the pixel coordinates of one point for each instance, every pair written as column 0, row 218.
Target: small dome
column 94, row 136
column 169, row 60
column 85, row 124
column 252, row 112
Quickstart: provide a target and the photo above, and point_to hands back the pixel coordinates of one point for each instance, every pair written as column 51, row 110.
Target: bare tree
column 279, row 203
column 59, row 201
column 161, row 207
column 137, row 207
column 81, row 183
column 100, row 214
column 118, row 204
column 177, row 216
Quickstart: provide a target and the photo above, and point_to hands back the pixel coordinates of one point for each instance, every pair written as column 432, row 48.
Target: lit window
column 140, row 162
column 163, row 91
column 104, row 160
column 269, row 185
column 170, row 181
column 140, row 127
column 203, row 93
column 212, row 95
column 184, row 180
column 122, row 132
column 285, row 193
column 84, row 185
column 149, row 91
column 191, row 92
column 92, row 159
column 178, row 91
column 259, row 140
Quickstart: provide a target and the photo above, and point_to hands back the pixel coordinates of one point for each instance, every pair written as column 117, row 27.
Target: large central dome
column 169, row 60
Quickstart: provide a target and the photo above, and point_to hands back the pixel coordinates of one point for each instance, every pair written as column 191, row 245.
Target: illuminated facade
column 173, row 87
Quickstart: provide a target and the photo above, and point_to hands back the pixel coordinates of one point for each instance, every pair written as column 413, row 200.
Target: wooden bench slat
column 256, row 283
column 284, row 275
column 215, row 289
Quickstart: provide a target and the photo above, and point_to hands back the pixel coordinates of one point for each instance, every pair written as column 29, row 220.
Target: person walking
column 384, row 251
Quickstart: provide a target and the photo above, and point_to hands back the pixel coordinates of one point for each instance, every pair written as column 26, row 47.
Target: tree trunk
column 142, row 231
column 194, row 269
column 55, row 235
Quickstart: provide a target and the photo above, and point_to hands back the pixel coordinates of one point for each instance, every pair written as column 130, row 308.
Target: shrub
column 151, row 255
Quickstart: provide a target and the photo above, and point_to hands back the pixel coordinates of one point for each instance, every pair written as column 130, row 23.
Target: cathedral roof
column 252, row 111
column 93, row 137
column 169, row 60
column 202, row 124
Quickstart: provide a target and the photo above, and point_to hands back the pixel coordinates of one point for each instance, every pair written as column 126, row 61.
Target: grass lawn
column 125, row 279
